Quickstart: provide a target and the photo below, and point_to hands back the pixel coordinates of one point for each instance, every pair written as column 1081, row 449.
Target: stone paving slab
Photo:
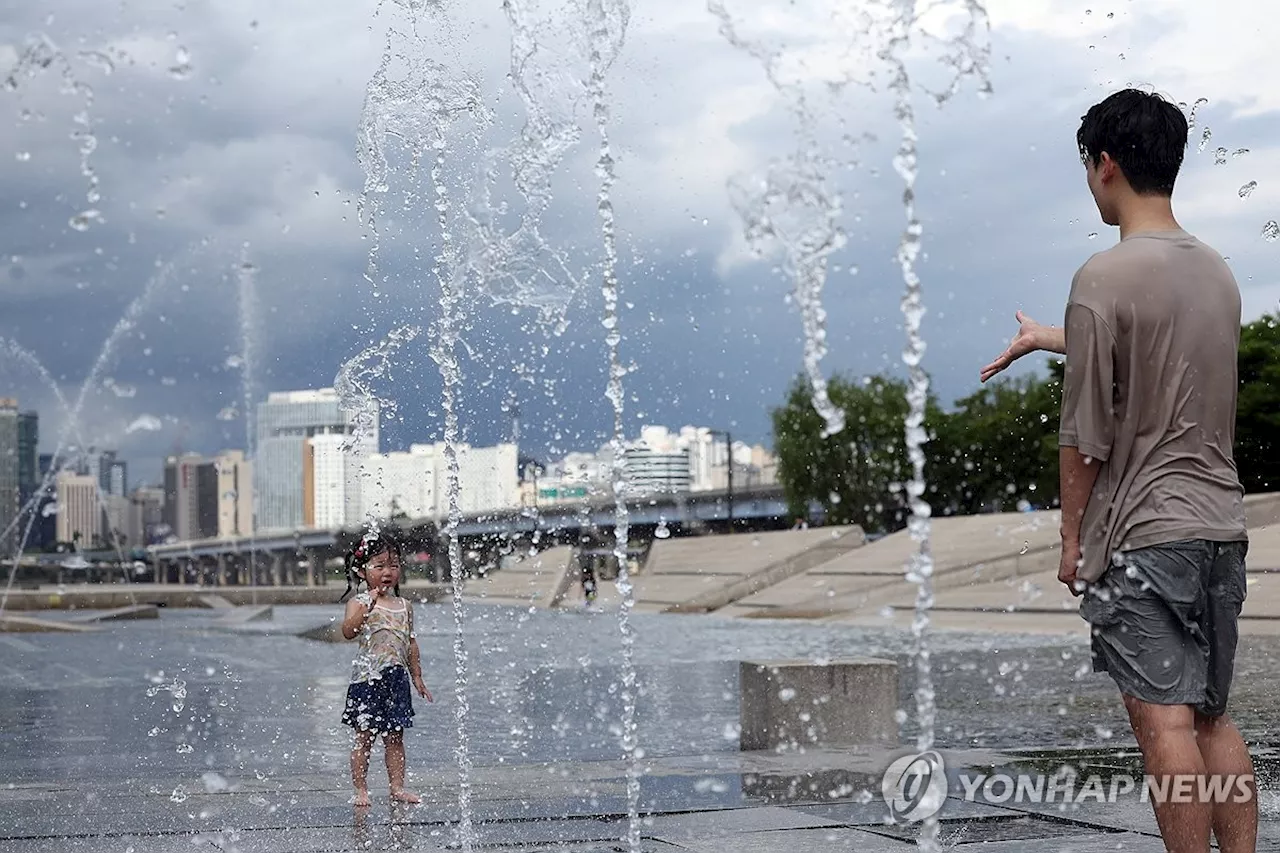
column 678, row 828
column 840, row 840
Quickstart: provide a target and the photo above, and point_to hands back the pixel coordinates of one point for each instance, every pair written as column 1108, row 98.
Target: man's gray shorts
column 1164, row 623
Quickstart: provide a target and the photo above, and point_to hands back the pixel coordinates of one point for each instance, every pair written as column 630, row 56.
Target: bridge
column 284, row 557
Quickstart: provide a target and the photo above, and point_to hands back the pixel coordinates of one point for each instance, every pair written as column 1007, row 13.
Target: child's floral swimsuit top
column 384, row 639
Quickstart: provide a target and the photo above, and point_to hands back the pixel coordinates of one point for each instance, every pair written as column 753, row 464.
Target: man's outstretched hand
column 1031, row 337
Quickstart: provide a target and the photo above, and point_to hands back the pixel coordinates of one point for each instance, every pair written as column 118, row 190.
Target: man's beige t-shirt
column 1153, row 331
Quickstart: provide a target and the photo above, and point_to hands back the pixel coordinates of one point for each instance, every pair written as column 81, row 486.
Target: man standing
column 1153, row 530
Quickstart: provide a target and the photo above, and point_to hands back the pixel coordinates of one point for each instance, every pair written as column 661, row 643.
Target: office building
column 79, row 514
column 657, row 463
column 285, row 422
column 146, row 516
column 400, row 483
column 191, row 497
column 235, row 494
column 9, row 483
column 330, row 482
column 416, row 483
column 28, row 456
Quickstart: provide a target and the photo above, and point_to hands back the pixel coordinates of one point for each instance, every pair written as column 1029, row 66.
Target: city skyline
column 329, row 474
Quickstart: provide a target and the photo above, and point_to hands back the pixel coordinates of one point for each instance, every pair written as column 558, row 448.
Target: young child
column 378, row 700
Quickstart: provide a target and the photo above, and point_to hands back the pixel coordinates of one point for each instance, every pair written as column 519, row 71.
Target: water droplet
column 1220, row 157
column 22, row 156
column 181, row 68
column 1247, row 189
column 662, row 531
column 1026, row 546
column 1239, row 152
column 185, row 748
column 228, row 413
column 85, row 218
column 1093, row 235
column 147, row 423
column 1044, row 419
column 179, row 795
column 1271, row 231
column 786, row 694
column 1204, row 139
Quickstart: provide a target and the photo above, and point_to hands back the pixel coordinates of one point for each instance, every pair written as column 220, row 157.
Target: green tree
column 857, row 474
column 1257, row 447
column 998, row 447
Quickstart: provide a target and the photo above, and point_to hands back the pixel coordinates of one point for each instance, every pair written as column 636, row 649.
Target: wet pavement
column 176, row 734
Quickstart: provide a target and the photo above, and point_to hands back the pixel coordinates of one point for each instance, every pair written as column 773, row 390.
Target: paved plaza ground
column 182, row 733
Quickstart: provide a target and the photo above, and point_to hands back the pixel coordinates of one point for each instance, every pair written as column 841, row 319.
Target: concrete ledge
column 214, row 602
column 111, row 596
column 26, row 624
column 141, row 611
column 790, row 704
column 243, row 615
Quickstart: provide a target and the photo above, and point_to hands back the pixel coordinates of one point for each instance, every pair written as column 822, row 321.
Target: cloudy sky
column 228, row 130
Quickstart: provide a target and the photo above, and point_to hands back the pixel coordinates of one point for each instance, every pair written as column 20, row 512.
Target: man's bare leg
column 393, row 743
column 1167, row 737
column 360, row 766
column 1235, row 821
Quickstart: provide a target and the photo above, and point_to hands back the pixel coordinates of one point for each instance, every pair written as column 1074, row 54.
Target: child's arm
column 354, row 618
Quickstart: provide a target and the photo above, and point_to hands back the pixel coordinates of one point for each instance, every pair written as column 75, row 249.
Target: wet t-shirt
column 384, row 638
column 1152, row 332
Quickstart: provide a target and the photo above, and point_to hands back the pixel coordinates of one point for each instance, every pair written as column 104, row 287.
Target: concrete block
column 136, row 611
column 788, row 704
column 214, row 602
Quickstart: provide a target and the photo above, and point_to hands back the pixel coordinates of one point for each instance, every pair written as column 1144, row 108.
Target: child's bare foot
column 362, row 799
column 405, row 797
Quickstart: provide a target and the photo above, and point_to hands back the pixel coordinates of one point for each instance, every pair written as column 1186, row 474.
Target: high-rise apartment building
column 285, row 422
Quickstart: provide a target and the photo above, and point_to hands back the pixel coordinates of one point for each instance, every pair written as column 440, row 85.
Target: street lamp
column 728, row 439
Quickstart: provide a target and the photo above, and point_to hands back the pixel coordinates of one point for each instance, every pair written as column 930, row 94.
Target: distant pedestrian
column 1153, row 526
column 378, row 699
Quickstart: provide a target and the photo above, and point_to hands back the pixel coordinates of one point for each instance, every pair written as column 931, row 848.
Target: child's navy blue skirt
column 382, row 705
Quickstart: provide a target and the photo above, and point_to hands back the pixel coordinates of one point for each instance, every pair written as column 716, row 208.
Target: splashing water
column 792, row 207
column 39, row 54
column 521, row 267
column 419, row 110
column 1271, row 231
column 354, row 384
column 966, row 56
column 1247, row 190
column 606, row 28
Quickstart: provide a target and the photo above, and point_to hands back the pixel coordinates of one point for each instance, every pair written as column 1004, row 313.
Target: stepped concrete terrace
column 706, row 573
column 534, row 581
column 998, row 571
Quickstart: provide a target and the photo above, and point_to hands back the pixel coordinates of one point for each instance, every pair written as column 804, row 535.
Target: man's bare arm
column 1031, row 337
column 1077, row 476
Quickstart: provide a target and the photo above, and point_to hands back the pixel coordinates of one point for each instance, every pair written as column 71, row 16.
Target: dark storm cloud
column 257, row 146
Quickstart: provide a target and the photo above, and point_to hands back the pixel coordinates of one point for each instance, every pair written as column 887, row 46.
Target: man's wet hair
column 374, row 541
column 1144, row 133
